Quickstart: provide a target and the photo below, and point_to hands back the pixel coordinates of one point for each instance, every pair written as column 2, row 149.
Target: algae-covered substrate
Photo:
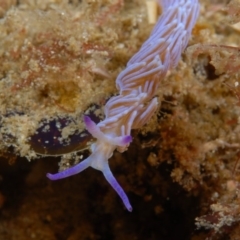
column 59, row 61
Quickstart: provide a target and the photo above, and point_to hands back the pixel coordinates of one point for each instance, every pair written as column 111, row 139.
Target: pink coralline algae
column 137, row 85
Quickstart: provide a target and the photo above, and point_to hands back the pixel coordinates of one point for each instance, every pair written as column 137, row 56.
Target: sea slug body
column 137, row 85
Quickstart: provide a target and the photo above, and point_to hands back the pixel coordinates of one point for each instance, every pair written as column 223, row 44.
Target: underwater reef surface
column 59, row 61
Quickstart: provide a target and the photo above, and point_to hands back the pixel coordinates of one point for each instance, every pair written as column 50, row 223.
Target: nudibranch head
column 102, row 150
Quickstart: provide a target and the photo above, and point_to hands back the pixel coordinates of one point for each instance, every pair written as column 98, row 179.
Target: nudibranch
column 137, row 85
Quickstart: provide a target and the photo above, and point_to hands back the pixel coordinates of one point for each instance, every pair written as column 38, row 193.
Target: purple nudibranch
column 137, row 85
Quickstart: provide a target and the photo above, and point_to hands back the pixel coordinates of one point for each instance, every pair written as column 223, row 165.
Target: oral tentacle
column 72, row 170
column 115, row 185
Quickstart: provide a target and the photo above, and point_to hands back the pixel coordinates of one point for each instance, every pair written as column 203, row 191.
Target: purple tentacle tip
column 51, row 176
column 126, row 139
column 87, row 120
